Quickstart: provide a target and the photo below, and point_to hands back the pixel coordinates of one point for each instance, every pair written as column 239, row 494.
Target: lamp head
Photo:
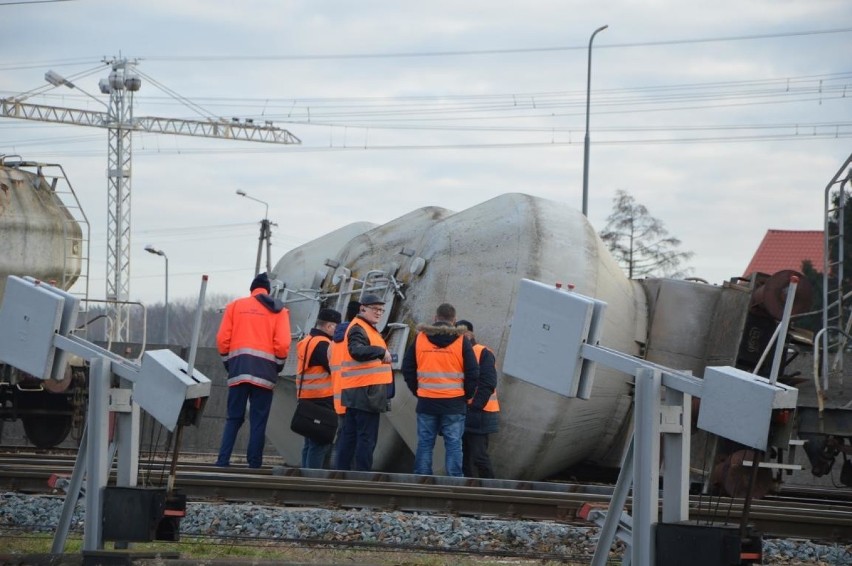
column 151, row 249
column 56, row 79
column 241, row 192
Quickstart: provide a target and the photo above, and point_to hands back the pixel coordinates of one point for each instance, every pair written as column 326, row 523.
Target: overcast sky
column 724, row 119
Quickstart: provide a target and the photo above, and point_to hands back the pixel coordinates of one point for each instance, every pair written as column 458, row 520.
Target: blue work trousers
column 259, row 400
column 357, row 440
column 452, row 429
column 314, row 454
column 344, row 445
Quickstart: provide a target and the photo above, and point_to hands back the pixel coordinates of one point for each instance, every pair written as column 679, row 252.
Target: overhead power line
column 467, row 52
column 454, row 107
column 450, row 53
column 801, row 136
column 13, row 3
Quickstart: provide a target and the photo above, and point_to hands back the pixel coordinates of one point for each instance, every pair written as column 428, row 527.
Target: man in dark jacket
column 479, row 423
column 345, row 429
column 440, row 368
column 313, row 382
column 366, row 375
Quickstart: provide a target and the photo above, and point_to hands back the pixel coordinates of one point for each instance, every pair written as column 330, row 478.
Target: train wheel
column 733, row 477
column 47, row 431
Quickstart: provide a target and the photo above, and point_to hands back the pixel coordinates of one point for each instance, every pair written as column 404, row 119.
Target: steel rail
column 804, row 518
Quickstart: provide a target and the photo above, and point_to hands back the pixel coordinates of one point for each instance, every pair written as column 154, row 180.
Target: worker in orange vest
column 345, row 433
column 365, row 377
column 253, row 340
column 313, row 382
column 479, row 423
column 441, row 370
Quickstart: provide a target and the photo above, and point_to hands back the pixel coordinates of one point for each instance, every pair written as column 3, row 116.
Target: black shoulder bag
column 313, row 420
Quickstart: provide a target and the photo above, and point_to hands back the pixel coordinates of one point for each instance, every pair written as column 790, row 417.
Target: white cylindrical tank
column 39, row 236
column 475, row 259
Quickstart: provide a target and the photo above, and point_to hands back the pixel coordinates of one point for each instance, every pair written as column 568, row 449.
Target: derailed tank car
column 41, row 227
column 475, row 260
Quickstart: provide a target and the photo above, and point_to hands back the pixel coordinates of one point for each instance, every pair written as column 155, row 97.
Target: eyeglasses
column 377, row 310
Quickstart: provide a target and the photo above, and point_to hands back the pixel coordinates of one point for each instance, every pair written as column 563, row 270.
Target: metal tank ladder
column 74, row 247
column 834, row 335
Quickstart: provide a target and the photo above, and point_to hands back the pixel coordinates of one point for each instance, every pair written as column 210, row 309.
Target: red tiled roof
column 786, row 249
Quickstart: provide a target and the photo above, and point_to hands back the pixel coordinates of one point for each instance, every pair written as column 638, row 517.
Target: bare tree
column 640, row 242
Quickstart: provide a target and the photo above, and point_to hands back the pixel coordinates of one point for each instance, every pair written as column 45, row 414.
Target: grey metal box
column 163, row 386
column 738, row 405
column 67, row 324
column 30, row 317
column 548, row 330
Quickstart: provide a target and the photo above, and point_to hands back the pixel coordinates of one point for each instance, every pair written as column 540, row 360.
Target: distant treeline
column 151, row 321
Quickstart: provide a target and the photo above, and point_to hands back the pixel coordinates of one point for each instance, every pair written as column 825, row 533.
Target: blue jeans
column 452, row 428
column 344, row 446
column 358, row 437
column 314, row 454
column 259, row 400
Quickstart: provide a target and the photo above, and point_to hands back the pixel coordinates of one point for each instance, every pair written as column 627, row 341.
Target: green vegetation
column 640, row 243
column 248, row 550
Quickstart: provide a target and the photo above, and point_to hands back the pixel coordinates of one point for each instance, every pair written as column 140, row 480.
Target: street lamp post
column 151, row 249
column 586, row 141
column 56, row 79
column 265, row 234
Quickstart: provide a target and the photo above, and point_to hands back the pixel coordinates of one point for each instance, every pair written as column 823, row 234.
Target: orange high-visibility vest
column 361, row 374
column 440, row 371
column 492, row 406
column 335, row 362
column 314, row 381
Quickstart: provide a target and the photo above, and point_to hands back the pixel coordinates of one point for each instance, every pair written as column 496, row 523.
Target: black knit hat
column 466, row 324
column 261, row 280
column 329, row 315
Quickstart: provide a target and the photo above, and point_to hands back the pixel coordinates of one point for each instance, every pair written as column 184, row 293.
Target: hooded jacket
column 443, row 335
column 313, row 383
column 480, row 421
column 254, row 339
column 335, row 359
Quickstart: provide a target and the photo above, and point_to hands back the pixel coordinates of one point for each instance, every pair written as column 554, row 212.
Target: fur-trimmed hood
column 439, row 328
column 441, row 334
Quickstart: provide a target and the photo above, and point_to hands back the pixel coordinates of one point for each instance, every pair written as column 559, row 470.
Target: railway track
column 813, row 513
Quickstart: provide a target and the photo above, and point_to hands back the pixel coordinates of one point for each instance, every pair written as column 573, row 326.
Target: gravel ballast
column 219, row 520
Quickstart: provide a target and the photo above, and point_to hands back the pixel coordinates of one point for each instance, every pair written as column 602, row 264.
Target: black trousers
column 475, row 460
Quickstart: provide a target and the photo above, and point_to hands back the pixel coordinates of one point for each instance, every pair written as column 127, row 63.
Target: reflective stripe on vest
column 492, row 406
column 335, row 362
column 440, row 371
column 252, row 352
column 314, row 381
column 361, row 374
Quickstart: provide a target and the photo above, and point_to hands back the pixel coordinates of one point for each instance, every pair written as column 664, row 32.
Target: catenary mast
column 118, row 119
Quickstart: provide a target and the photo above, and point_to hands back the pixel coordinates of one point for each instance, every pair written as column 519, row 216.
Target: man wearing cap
column 314, row 379
column 364, row 378
column 345, row 430
column 253, row 340
column 479, row 423
column 440, row 368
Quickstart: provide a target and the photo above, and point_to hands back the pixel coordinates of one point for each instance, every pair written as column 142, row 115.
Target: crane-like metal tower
column 118, row 119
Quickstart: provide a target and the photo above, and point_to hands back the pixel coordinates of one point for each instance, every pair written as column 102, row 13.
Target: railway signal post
column 558, row 329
